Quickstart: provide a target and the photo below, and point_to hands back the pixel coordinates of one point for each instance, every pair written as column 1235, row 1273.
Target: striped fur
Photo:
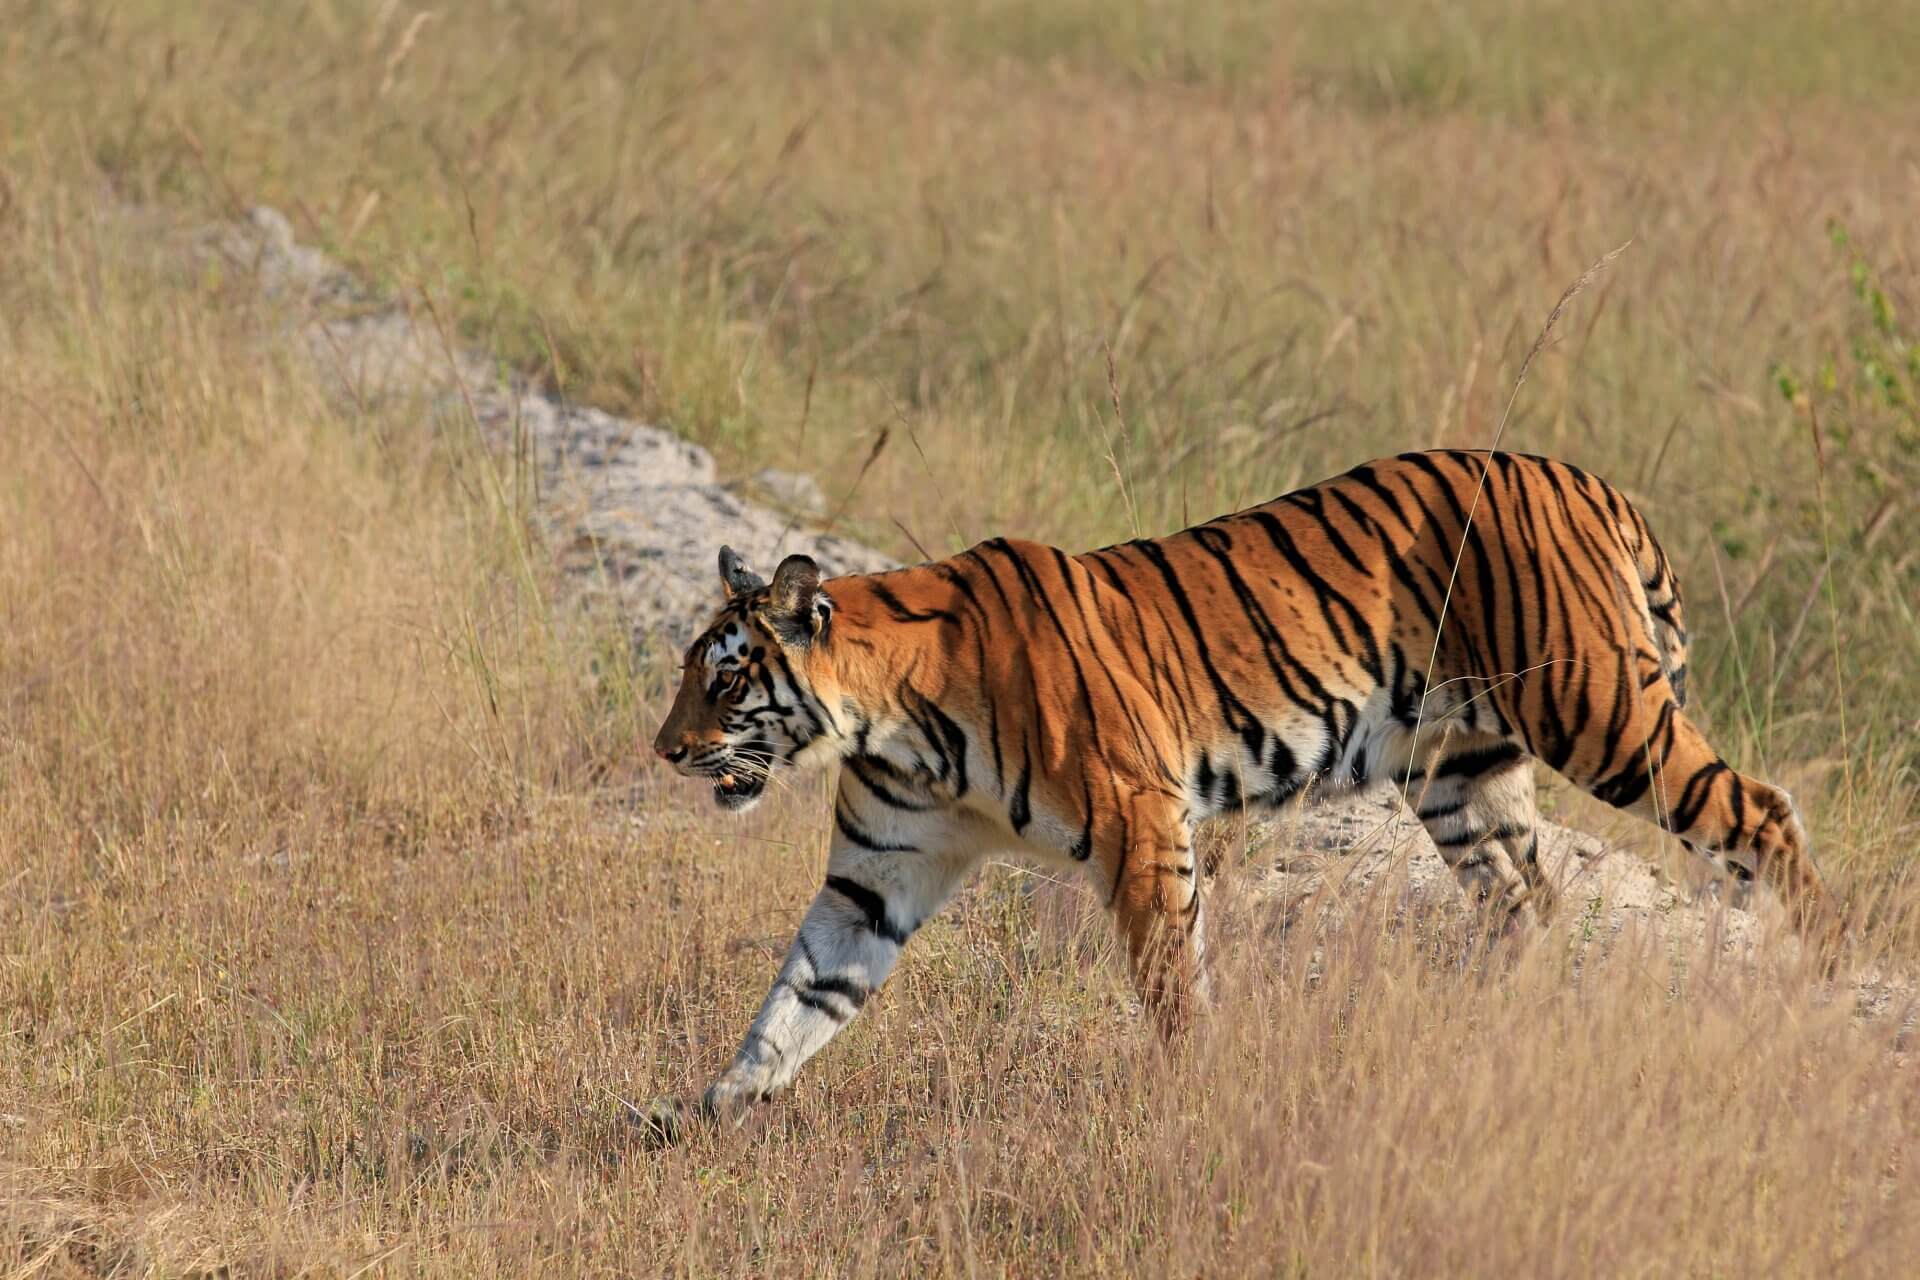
column 1092, row 709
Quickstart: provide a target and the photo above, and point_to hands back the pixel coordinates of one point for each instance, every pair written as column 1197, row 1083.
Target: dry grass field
column 342, row 920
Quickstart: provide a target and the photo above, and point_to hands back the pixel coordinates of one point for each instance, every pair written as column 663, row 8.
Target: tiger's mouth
column 738, row 790
column 742, row 779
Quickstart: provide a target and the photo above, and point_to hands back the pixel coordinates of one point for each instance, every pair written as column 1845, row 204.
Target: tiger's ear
column 796, row 606
column 735, row 577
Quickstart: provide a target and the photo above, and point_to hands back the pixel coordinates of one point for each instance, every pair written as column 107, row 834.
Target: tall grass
column 791, row 236
column 342, row 924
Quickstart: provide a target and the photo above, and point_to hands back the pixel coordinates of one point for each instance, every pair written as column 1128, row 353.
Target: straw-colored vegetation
column 338, row 913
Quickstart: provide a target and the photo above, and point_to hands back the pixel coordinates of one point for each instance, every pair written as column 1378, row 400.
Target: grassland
column 337, row 913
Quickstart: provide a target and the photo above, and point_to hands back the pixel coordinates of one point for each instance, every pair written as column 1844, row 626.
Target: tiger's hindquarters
column 1660, row 593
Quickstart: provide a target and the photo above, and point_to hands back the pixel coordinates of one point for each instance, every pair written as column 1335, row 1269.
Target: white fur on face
column 728, row 648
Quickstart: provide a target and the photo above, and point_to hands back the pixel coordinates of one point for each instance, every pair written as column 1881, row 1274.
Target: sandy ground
column 636, row 511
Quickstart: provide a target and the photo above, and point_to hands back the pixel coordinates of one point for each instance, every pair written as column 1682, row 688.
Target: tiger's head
column 747, row 700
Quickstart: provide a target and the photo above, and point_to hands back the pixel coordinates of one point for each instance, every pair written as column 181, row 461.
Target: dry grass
column 339, row 916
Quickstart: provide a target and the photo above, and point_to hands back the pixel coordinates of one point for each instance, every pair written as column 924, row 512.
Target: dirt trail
column 634, row 510
column 630, row 508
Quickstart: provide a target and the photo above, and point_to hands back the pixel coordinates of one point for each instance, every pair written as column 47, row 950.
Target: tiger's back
column 1333, row 622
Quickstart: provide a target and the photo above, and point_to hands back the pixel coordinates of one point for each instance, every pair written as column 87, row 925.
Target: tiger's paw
column 663, row 1123
column 728, row 1102
column 1825, row 931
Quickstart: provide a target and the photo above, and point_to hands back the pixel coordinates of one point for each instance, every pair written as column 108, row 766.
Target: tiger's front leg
column 1156, row 899
column 890, row 869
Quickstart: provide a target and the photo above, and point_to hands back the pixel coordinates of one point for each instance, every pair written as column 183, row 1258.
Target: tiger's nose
column 672, row 755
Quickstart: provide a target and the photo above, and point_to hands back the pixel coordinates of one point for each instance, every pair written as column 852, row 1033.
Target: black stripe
column 1396, row 560
column 1389, row 556
column 982, row 628
column 1279, row 761
column 1560, row 747
column 1020, row 811
column 872, row 905
column 1472, row 764
column 1499, row 499
column 854, row 993
column 1229, row 790
column 1326, row 595
column 1695, row 795
column 901, row 613
column 1082, row 847
column 1074, row 582
column 1625, row 787
column 1365, row 475
column 1562, row 547
column 861, row 768
column 947, row 739
column 1036, row 710
column 819, row 1003
column 1031, row 580
column 1314, row 501
column 1470, row 539
column 1162, row 685
column 859, row 835
column 1181, row 689
column 1235, row 712
column 1232, row 710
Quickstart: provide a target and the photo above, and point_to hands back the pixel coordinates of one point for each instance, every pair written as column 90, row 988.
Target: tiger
column 1436, row 620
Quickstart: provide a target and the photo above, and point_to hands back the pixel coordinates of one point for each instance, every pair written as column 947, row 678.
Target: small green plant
column 1856, row 400
column 1863, row 399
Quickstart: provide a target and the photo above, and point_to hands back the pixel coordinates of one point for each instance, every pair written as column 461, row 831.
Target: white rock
column 633, row 509
column 795, row 490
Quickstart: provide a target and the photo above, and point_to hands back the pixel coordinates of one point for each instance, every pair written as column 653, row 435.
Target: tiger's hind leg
column 1678, row 781
column 1476, row 801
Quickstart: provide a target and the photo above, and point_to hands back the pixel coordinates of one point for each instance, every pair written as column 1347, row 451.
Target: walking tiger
column 1438, row 620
